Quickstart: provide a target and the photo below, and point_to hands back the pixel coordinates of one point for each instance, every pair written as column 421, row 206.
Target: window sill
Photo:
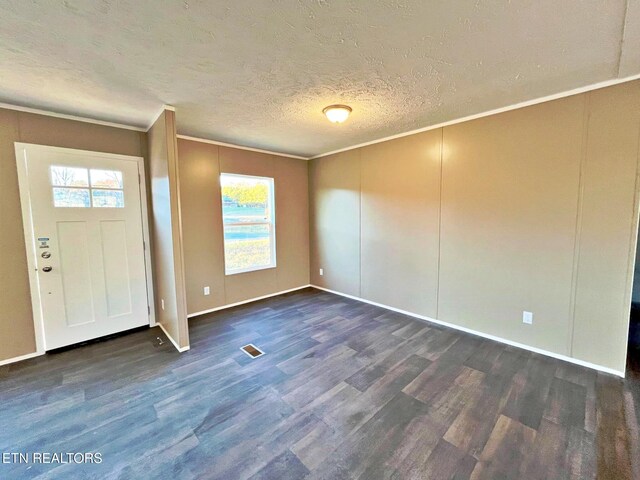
column 248, row 270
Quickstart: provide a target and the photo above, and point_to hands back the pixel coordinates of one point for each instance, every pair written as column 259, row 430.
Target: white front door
column 86, row 224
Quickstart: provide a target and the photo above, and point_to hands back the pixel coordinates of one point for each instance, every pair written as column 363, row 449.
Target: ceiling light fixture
column 337, row 113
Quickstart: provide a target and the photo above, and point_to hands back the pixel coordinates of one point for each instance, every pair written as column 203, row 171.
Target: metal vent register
column 252, row 351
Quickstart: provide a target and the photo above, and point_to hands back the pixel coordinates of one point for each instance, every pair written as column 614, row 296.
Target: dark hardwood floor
column 345, row 390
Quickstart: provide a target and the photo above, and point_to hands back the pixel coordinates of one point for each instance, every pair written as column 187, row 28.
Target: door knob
column 47, row 269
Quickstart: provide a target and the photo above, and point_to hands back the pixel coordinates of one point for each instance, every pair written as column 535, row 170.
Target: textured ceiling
column 258, row 73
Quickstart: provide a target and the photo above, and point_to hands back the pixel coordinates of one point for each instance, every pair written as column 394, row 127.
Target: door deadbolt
column 46, row 254
column 47, row 269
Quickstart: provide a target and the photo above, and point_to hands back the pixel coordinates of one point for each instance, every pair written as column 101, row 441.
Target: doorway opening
column 632, row 373
column 633, row 349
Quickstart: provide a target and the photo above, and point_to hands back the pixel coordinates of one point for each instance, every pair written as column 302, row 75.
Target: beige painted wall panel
column 335, row 218
column 201, row 164
column 248, row 285
column 164, row 277
column 400, row 222
column 509, row 207
column 244, row 286
column 608, row 226
column 246, row 162
column 201, row 224
column 60, row 132
column 292, row 222
column 16, row 320
column 167, row 229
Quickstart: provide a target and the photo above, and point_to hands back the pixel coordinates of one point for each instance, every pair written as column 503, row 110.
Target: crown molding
column 157, row 115
column 65, row 116
column 515, row 106
column 240, row 147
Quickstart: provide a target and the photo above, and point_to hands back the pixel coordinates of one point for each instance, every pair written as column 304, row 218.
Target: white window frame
column 271, row 221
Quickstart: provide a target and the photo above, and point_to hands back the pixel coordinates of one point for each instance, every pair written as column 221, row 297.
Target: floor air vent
column 252, row 351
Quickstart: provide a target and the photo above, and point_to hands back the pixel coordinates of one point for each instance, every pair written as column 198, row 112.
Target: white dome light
column 337, row 113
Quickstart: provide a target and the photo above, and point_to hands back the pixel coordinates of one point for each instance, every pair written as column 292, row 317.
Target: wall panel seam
column 439, row 224
column 274, row 172
column 360, row 222
column 224, row 279
column 176, row 232
column 19, row 126
column 310, row 251
column 578, row 230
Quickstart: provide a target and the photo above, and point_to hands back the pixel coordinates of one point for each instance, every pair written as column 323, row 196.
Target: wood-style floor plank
column 344, row 390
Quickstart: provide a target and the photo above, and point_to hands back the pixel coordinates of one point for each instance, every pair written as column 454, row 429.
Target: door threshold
column 98, row 340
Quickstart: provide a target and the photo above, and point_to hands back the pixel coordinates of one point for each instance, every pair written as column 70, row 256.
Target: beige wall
column 400, row 266
column 199, row 176
column 168, row 262
column 200, row 168
column 607, row 227
column 532, row 209
column 16, row 319
column 509, row 205
column 334, row 186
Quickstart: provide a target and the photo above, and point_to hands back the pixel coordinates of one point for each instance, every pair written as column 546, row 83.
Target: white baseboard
column 175, row 344
column 20, row 358
column 481, row 334
column 224, row 307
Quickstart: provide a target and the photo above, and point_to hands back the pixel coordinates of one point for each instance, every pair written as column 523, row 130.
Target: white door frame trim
column 27, row 223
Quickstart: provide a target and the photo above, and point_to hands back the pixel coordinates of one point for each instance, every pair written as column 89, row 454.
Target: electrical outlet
column 207, row 290
column 162, row 303
column 321, row 272
column 527, row 317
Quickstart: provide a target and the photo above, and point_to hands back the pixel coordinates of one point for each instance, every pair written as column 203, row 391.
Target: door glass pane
column 108, row 198
column 69, row 176
column 247, row 246
column 106, row 178
column 244, row 199
column 71, row 197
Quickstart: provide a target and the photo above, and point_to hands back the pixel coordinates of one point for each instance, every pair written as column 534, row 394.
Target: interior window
column 107, row 198
column 248, row 215
column 107, row 189
column 71, row 187
column 69, row 177
column 106, row 179
column 71, row 197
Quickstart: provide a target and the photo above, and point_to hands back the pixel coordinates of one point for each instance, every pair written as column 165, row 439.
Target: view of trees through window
column 72, row 187
column 249, row 230
column 246, row 196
